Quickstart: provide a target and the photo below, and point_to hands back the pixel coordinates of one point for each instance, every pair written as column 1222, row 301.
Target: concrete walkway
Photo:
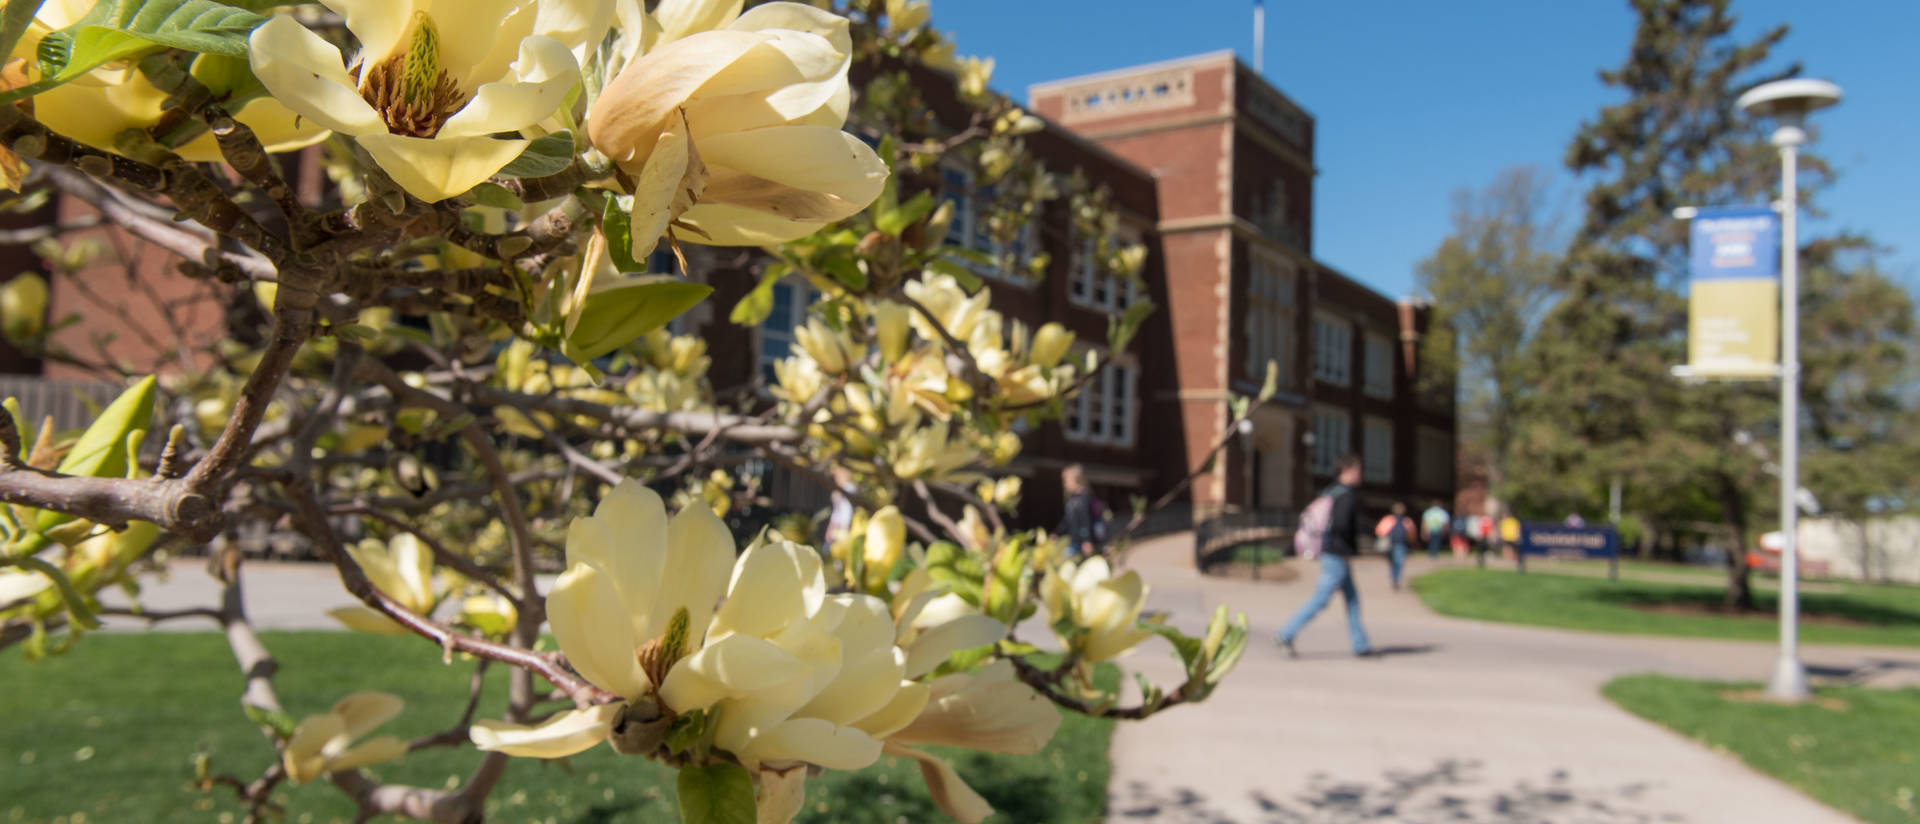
column 1457, row 721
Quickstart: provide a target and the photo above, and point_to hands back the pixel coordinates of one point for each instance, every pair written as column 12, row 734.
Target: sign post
column 1560, row 541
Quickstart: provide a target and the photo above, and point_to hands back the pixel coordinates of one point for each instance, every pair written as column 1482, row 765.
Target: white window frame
column 1377, row 379
column 1087, row 287
column 1332, row 350
column 1270, row 315
column 802, row 297
column 1105, row 405
column 1376, row 449
column 1332, row 438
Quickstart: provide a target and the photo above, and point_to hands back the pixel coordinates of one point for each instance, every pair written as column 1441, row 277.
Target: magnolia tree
column 504, row 170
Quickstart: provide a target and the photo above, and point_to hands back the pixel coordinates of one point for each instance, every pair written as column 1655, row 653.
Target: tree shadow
column 1884, row 672
column 1449, row 792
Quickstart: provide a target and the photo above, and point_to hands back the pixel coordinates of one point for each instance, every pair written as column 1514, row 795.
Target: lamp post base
column 1789, row 680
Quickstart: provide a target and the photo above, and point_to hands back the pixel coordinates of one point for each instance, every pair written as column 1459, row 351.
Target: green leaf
column 895, row 220
column 77, row 609
column 753, row 309
column 615, row 316
column 1003, row 586
column 958, row 271
column 617, row 224
column 685, row 731
column 127, row 29
column 495, row 195
column 281, row 723
column 14, row 22
column 1186, row 646
column 720, row 794
column 1120, row 331
column 100, row 452
column 847, row 271
column 546, row 155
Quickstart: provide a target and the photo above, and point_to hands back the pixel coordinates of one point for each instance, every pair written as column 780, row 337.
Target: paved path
column 1460, row 721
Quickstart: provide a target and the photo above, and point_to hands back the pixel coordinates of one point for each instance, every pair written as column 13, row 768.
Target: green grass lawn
column 1855, row 749
column 1857, row 614
column 108, row 732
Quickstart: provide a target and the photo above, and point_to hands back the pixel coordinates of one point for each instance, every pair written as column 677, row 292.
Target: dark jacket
column 1084, row 522
column 1343, row 524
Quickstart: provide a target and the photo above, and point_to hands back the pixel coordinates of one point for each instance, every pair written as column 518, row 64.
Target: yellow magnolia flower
column 95, row 108
column 20, row 585
column 949, row 304
column 890, row 326
column 490, row 614
column 1107, row 608
column 734, row 132
column 975, row 74
column 835, row 351
column 906, row 15
column 797, row 380
column 435, row 80
column 403, row 569
column 932, row 623
column 323, row 744
column 927, row 453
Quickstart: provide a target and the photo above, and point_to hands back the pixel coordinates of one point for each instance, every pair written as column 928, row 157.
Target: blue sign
column 1562, row 541
column 1736, row 244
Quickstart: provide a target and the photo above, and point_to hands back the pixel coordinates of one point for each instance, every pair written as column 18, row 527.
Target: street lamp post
column 1788, row 102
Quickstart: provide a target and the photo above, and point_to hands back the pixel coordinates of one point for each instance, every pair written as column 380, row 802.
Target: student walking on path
column 1397, row 530
column 1336, row 572
column 1435, row 521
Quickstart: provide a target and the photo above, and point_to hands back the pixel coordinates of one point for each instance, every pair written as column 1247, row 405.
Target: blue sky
column 1414, row 100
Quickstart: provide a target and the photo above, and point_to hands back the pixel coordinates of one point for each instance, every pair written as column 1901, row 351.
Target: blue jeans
column 1434, row 542
column 1398, row 557
column 1335, row 573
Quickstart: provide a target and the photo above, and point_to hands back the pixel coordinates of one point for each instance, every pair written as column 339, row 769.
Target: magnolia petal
column 16, row 586
column 360, row 712
column 372, row 751
column 811, row 158
column 779, row 794
column 815, row 741
column 634, row 523
column 955, row 798
column 934, row 646
column 304, row 72
column 310, row 737
column 679, row 18
column 580, row 24
column 1113, row 603
column 766, row 594
column 543, row 76
column 987, row 710
column 658, row 186
column 863, row 686
column 568, row 733
column 837, row 30
column 699, row 562
column 279, row 129
column 377, row 24
column 1090, row 573
column 789, row 75
column 95, row 114
column 732, row 666
column 643, row 99
column 480, row 39
column 414, row 563
column 363, row 619
column 434, row 169
column 943, row 608
column 590, row 622
column 899, row 712
column 1104, row 646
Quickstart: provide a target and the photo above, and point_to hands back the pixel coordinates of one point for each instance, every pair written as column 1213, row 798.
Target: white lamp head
column 1789, row 101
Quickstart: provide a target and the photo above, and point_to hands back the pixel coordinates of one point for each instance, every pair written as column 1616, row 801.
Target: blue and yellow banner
column 1733, row 319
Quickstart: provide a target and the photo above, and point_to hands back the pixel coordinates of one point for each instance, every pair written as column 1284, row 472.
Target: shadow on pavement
column 1873, row 672
column 1378, row 652
column 1449, row 792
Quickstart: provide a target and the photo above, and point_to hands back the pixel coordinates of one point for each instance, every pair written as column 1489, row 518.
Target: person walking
column 1084, row 524
column 1336, row 572
column 1396, row 530
column 1434, row 523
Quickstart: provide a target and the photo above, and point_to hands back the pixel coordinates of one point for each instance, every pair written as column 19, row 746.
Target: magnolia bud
column 886, row 537
column 890, row 321
column 23, row 308
column 1050, row 344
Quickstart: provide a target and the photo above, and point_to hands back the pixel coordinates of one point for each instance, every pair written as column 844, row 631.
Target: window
column 972, row 227
column 1332, row 350
column 790, row 302
column 1087, row 286
column 1379, row 375
column 1332, row 438
column 1269, row 320
column 1104, row 412
column 1433, row 467
column 956, row 187
column 1376, row 450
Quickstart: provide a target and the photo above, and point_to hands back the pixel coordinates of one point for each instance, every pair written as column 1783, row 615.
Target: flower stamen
column 410, row 90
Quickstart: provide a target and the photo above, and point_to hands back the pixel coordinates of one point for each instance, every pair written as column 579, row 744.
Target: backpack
column 1398, row 534
column 1099, row 512
column 1311, row 536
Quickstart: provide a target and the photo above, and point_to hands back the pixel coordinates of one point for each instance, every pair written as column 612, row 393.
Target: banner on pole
column 1733, row 318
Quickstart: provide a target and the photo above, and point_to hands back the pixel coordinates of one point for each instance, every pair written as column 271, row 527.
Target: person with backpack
column 1084, row 524
column 1396, row 530
column 1434, row 523
column 1330, row 530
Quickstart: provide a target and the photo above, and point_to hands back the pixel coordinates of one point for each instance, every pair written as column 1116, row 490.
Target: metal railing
column 1216, row 537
